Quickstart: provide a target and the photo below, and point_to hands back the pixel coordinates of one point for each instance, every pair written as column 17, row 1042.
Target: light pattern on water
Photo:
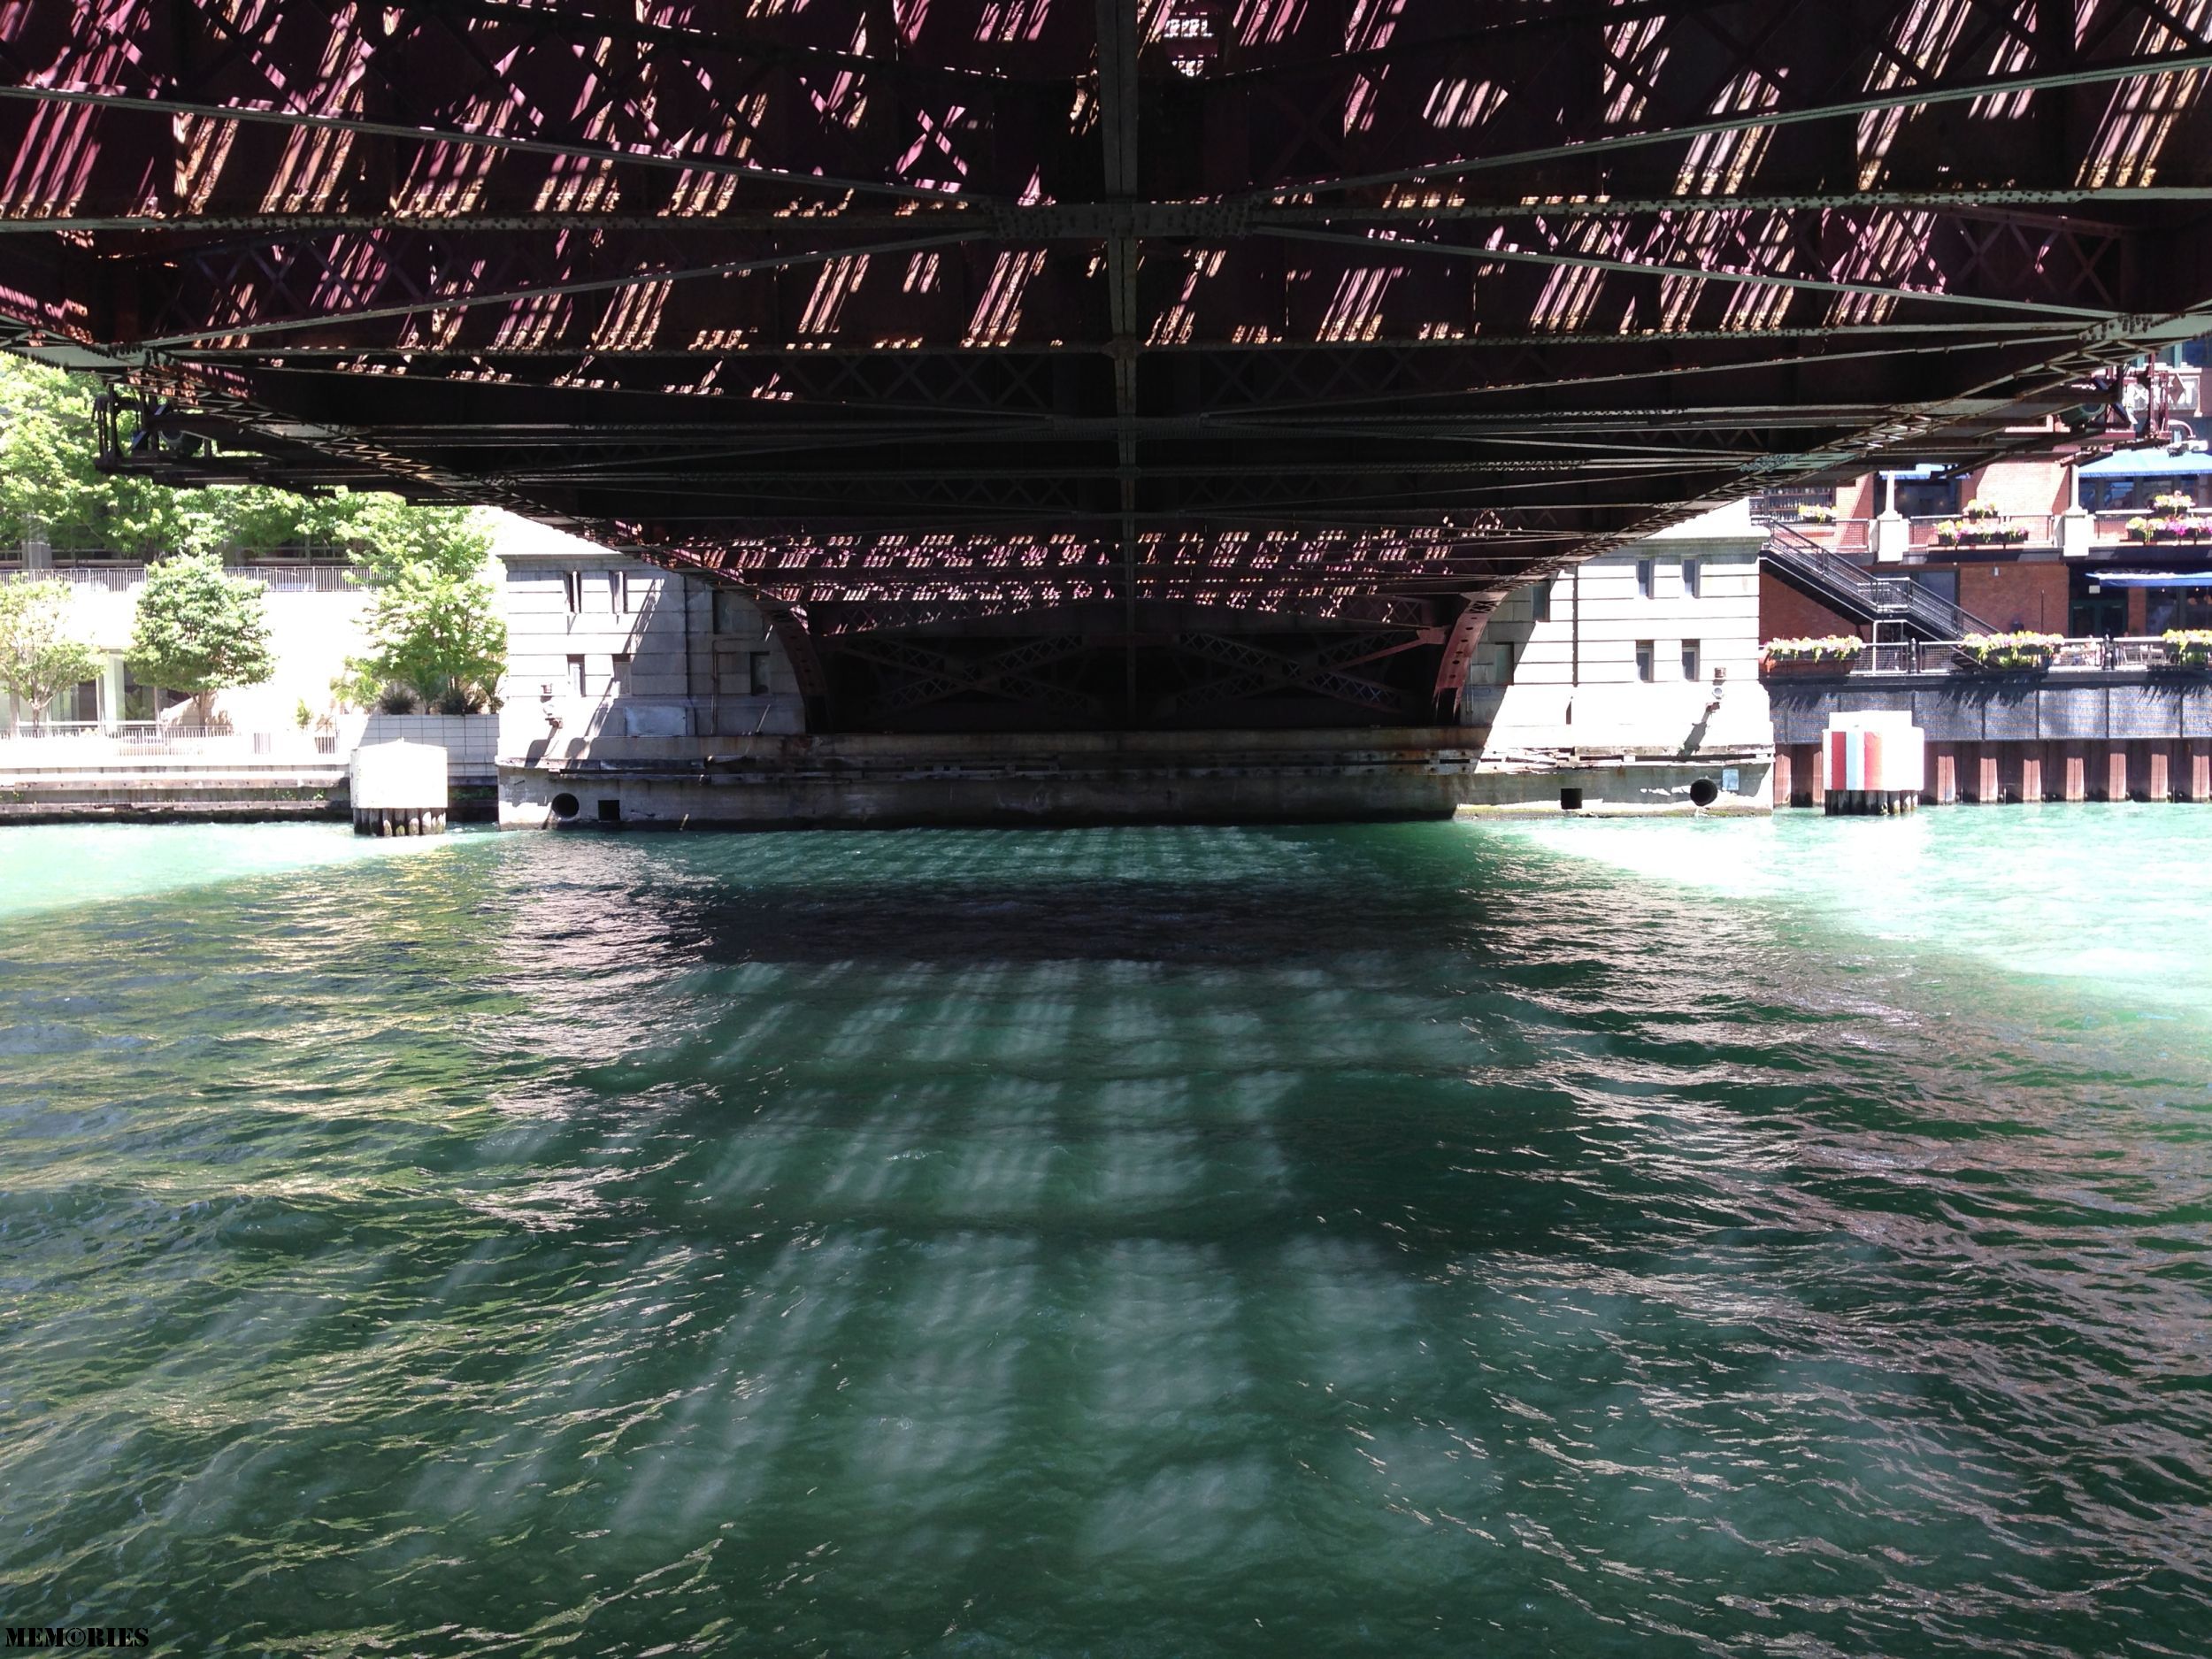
column 1408, row 1240
column 55, row 866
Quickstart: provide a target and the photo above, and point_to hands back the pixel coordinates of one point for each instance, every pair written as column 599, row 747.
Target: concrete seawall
column 883, row 781
column 2072, row 736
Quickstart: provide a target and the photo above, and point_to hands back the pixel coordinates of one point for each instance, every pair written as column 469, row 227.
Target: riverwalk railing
column 2131, row 655
column 113, row 743
column 123, row 579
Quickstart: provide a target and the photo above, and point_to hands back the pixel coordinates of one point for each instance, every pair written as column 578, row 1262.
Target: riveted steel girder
column 898, row 315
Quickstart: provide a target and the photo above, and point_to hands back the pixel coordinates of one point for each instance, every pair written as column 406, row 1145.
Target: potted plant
column 2188, row 648
column 2022, row 652
column 1981, row 525
column 1825, row 655
column 1816, row 515
column 2175, row 520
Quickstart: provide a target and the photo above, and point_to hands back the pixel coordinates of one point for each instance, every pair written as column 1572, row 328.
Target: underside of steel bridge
column 1096, row 362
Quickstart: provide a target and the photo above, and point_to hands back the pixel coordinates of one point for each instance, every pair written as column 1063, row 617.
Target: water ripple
column 1402, row 1241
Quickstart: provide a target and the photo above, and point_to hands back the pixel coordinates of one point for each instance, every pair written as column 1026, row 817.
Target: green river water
column 1714, row 1237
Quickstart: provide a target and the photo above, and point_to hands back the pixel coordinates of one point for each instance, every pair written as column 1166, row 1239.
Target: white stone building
column 315, row 623
column 608, row 656
column 1650, row 652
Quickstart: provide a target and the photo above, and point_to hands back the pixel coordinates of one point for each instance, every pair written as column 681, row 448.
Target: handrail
column 2114, row 655
column 1868, row 597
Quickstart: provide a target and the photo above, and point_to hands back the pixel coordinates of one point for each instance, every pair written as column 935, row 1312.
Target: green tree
column 38, row 658
column 200, row 631
column 434, row 622
column 50, row 486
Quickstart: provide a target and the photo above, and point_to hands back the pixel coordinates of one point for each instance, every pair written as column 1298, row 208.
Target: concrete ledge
column 1305, row 777
column 55, row 811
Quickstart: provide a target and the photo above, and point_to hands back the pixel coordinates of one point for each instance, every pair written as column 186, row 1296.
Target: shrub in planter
column 1835, row 647
column 2173, row 528
column 1816, row 515
column 2005, row 652
column 2174, row 502
column 1979, row 533
column 1981, row 511
column 2189, row 647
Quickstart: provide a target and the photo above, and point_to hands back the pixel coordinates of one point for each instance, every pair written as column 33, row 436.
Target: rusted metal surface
column 924, row 316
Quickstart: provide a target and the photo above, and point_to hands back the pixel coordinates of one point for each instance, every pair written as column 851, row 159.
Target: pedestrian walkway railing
column 2138, row 655
column 123, row 579
column 86, row 743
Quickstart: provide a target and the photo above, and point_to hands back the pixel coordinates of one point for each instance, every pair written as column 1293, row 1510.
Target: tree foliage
column 48, row 483
column 198, row 629
column 39, row 659
column 434, row 622
column 435, row 633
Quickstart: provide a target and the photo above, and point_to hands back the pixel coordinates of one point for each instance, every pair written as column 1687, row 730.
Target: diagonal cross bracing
column 902, row 315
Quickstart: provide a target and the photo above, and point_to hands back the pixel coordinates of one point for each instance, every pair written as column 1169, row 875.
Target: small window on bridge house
column 1690, row 660
column 732, row 614
column 756, row 672
column 629, row 588
column 1646, row 581
column 576, row 676
column 1689, row 578
column 616, row 602
column 619, row 680
column 1646, row 660
column 572, row 590
column 1543, row 599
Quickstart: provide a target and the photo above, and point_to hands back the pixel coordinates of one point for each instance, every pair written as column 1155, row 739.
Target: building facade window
column 756, row 672
column 1691, row 578
column 618, row 676
column 732, row 614
column 1543, row 599
column 572, row 590
column 1690, row 661
column 575, row 676
column 1928, row 497
column 1645, row 660
column 629, row 590
column 614, row 592
column 1646, row 577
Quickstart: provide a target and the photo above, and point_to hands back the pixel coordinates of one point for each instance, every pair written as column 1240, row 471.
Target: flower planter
column 2007, row 653
column 2188, row 652
column 1806, row 667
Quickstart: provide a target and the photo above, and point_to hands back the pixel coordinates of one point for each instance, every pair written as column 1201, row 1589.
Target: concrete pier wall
column 876, row 781
column 2000, row 739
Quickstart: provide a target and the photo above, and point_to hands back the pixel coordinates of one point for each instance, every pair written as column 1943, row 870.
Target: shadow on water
column 1121, row 1242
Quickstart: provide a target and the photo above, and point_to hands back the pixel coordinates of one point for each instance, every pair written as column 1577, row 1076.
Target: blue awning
column 2149, row 463
column 2152, row 578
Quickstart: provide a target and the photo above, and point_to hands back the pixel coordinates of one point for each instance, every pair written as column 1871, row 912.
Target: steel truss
column 914, row 320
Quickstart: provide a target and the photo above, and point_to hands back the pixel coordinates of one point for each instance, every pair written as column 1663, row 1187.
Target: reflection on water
column 1404, row 1239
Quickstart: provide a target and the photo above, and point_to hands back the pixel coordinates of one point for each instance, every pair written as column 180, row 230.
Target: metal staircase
column 1896, row 605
